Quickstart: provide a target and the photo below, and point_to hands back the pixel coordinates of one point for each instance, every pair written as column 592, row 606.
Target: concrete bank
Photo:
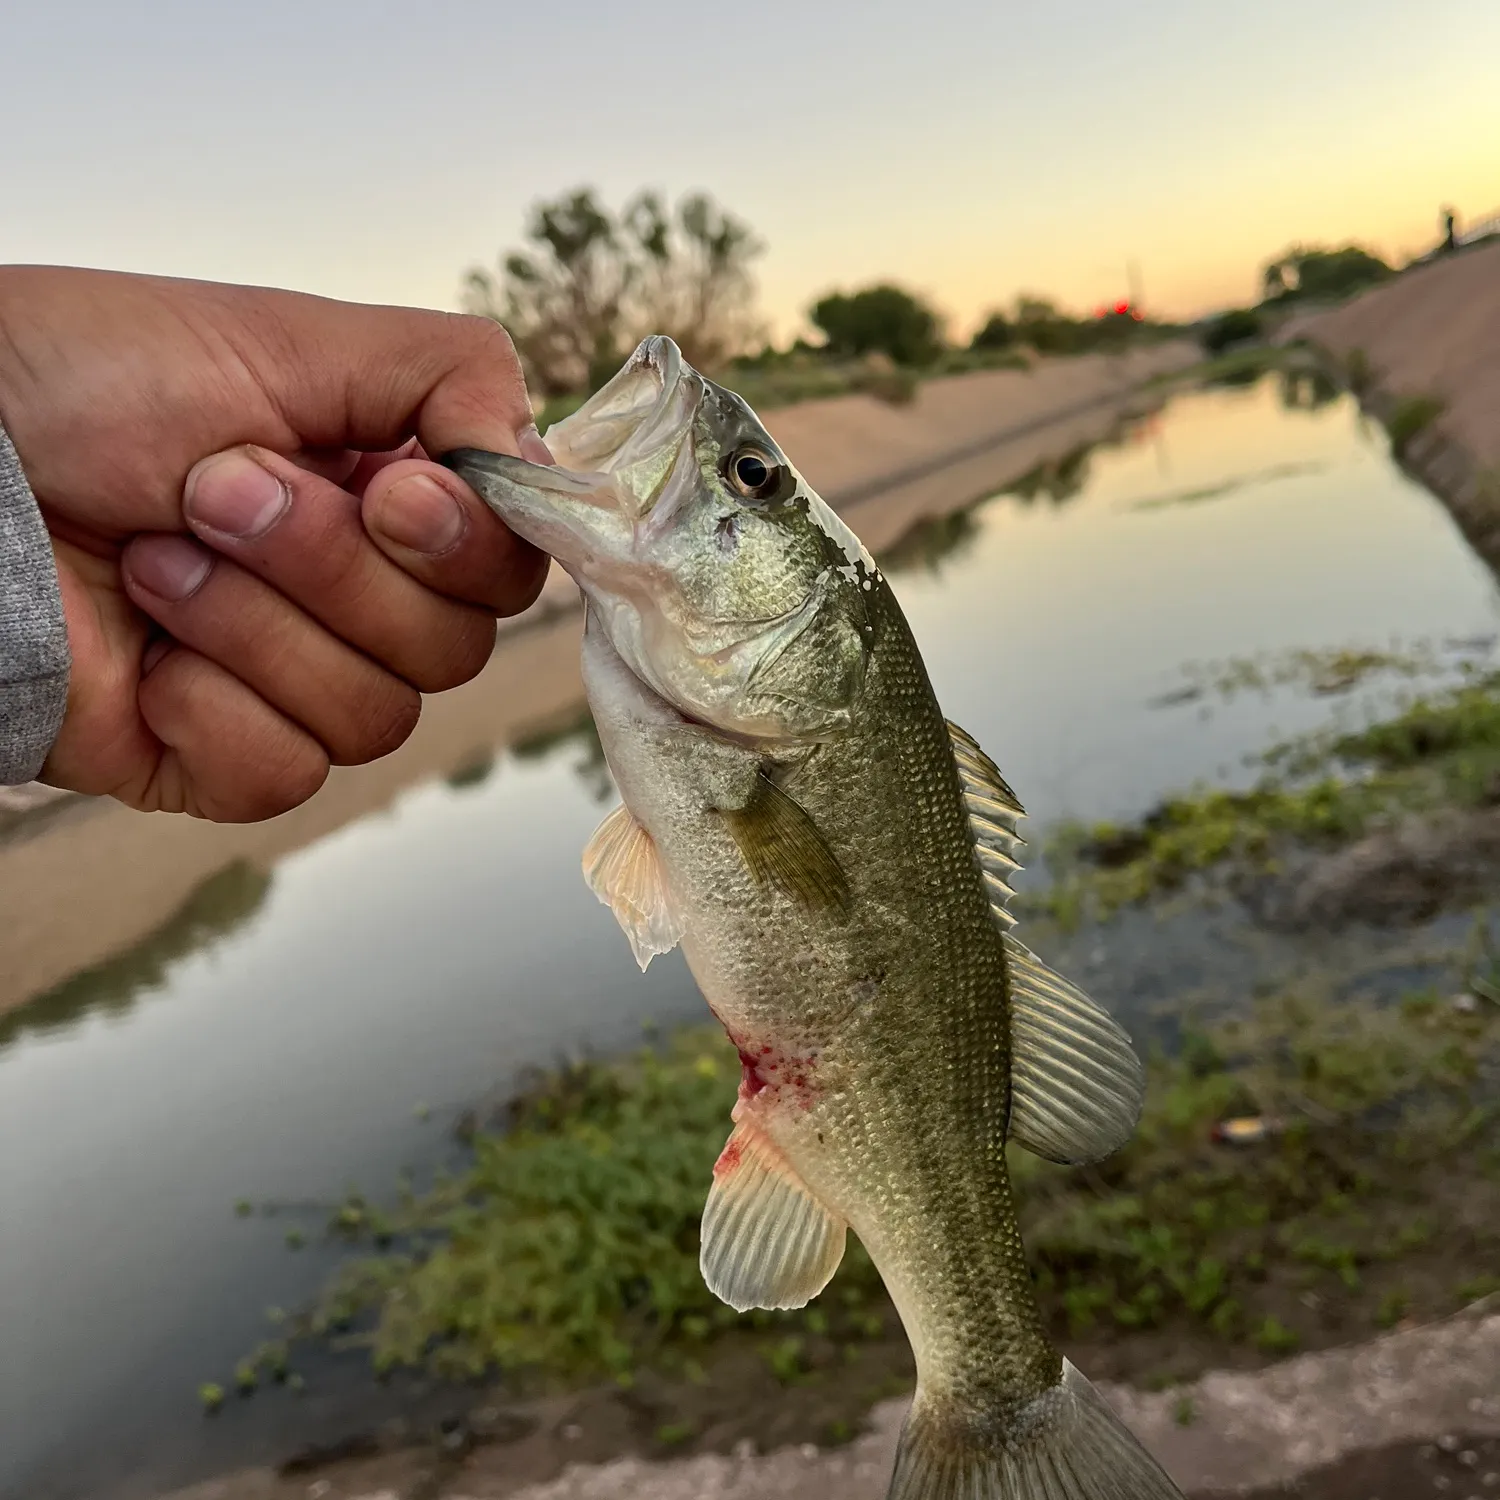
column 1433, row 333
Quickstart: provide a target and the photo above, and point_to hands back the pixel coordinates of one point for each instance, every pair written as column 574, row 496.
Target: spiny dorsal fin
column 624, row 871
column 781, row 846
column 1077, row 1086
column 767, row 1242
column 993, row 810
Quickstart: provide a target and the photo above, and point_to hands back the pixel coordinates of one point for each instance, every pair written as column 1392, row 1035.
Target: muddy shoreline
column 1229, row 1433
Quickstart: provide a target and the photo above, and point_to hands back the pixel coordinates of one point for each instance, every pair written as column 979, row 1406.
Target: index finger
column 352, row 376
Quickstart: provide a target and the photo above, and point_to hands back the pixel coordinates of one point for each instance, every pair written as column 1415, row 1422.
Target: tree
column 1040, row 324
column 1237, row 326
column 880, row 319
column 592, row 284
column 695, row 283
column 998, row 333
column 1315, row 272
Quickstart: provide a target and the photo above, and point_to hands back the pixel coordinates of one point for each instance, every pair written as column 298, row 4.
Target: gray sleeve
column 34, row 657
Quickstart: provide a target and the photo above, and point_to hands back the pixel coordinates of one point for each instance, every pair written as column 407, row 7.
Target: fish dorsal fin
column 623, row 869
column 1077, row 1086
column 994, row 809
column 781, row 846
column 767, row 1241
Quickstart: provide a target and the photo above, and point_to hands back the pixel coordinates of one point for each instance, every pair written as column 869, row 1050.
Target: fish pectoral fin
column 1077, row 1086
column 781, row 846
column 767, row 1241
column 623, row 869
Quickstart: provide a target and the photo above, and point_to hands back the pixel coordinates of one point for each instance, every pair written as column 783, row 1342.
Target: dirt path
column 83, row 879
column 1435, row 1390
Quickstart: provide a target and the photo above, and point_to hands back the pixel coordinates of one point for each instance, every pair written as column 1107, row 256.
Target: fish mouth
column 613, row 456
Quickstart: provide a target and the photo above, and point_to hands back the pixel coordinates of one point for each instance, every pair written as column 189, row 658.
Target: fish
column 834, row 858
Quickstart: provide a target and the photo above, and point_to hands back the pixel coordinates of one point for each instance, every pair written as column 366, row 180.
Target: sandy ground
column 1223, row 1434
column 1433, row 332
column 82, row 879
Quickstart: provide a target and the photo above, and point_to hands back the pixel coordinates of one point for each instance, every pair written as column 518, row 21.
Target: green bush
column 1235, row 327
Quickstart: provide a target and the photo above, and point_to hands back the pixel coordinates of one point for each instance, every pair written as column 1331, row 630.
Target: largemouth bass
column 834, row 858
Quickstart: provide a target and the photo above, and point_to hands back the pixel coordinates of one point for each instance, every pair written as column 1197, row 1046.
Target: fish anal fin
column 623, row 869
column 1065, row 1444
column 781, row 846
column 767, row 1241
column 1077, row 1086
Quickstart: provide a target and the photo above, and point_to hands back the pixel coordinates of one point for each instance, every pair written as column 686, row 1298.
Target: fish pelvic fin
column 623, row 869
column 1077, row 1086
column 1066, row 1444
column 767, row 1241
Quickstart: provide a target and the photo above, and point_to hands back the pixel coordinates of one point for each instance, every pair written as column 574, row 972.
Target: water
column 427, row 955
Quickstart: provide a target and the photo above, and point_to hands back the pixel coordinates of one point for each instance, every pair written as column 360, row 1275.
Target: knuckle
column 294, row 782
column 493, row 348
column 384, row 720
column 458, row 660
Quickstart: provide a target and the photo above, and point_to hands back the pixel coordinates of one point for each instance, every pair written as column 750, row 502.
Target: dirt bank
column 1227, row 1433
column 1432, row 333
column 81, row 879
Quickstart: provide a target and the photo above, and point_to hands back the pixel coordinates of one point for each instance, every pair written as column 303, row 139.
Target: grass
column 567, row 1250
column 1441, row 751
column 1410, row 416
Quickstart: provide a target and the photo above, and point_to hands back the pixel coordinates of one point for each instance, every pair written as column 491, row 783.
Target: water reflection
column 224, row 902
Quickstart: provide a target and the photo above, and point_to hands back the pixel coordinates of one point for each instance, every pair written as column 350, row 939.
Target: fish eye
column 753, row 473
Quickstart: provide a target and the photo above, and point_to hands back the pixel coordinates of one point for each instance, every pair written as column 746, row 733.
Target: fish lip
column 621, row 422
column 567, row 515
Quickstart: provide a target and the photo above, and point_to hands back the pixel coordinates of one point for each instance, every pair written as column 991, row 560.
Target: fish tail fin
column 1067, row 1444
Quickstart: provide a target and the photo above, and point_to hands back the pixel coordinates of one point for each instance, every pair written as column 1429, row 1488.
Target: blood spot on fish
column 729, row 1158
column 751, row 1081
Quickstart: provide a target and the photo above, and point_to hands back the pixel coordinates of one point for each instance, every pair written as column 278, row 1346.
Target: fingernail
column 232, row 494
column 419, row 513
column 171, row 567
column 533, row 449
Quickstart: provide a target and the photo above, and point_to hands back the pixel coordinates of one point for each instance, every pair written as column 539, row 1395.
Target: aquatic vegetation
column 1324, row 671
column 1441, row 751
column 568, row 1247
column 1226, row 487
column 1411, row 415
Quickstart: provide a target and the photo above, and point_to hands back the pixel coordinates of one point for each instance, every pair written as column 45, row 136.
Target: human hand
column 260, row 569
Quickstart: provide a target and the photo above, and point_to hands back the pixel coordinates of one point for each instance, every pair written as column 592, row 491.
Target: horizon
column 296, row 146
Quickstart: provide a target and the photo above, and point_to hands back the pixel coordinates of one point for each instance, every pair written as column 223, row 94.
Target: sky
column 969, row 149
